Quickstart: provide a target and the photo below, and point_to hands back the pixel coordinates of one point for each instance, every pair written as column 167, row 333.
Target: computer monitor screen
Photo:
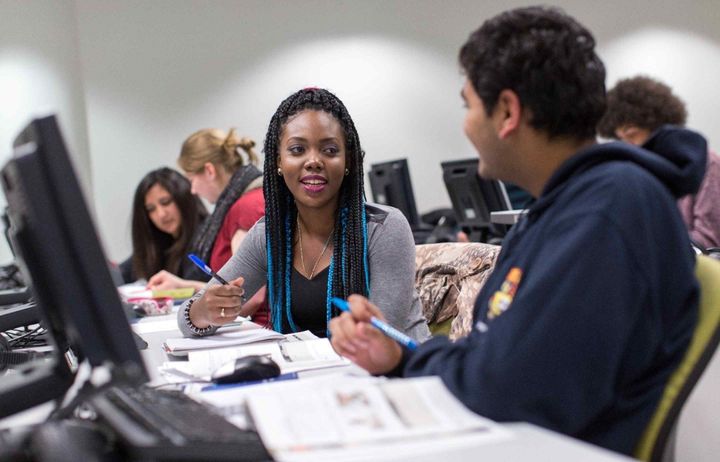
column 58, row 249
column 13, row 289
column 390, row 185
column 473, row 197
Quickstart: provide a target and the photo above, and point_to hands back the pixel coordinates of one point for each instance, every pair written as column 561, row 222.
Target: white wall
column 40, row 74
column 156, row 71
column 688, row 62
column 153, row 72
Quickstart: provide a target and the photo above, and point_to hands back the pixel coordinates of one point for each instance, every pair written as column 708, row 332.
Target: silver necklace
column 302, row 257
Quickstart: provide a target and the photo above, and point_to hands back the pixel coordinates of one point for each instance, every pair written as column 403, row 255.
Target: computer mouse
column 246, row 369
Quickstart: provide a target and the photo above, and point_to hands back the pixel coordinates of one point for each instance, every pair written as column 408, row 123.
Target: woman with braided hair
column 319, row 239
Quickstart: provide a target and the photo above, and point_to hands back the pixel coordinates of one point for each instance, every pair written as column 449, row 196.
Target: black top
column 308, row 303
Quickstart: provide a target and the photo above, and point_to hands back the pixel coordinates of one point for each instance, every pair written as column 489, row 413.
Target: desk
column 155, row 330
column 529, row 442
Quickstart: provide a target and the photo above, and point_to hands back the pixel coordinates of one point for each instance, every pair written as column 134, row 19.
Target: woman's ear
column 508, row 111
column 209, row 170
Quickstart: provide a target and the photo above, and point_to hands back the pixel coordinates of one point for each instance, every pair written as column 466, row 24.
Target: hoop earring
column 347, row 172
column 279, row 171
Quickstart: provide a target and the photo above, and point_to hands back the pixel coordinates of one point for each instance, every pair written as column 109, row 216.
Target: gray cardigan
column 391, row 257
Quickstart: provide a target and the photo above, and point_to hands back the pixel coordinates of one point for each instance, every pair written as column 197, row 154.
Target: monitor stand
column 34, row 383
column 14, row 295
column 19, row 316
column 489, row 234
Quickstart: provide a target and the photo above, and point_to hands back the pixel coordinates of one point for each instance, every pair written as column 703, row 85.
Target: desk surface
column 528, row 442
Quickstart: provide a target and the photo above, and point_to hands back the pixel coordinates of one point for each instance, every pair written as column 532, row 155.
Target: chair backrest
column 448, row 278
column 657, row 442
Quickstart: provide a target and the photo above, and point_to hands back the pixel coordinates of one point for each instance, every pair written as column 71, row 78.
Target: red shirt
column 242, row 215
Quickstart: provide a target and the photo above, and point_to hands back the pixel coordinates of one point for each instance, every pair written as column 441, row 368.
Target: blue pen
column 225, row 386
column 384, row 327
column 206, row 269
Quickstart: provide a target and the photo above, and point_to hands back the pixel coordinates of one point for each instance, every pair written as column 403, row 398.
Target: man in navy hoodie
column 593, row 299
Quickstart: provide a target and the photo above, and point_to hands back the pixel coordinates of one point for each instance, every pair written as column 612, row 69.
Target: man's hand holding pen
column 354, row 337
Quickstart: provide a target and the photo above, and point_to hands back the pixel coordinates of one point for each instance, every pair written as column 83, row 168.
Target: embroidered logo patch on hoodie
column 502, row 299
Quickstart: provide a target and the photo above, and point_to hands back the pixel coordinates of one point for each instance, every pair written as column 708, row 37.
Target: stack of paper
column 248, row 332
column 291, row 356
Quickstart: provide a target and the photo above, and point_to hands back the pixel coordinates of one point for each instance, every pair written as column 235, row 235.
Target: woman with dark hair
column 221, row 168
column 319, row 239
column 164, row 220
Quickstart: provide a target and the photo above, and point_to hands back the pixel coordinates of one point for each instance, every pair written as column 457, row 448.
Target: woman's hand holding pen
column 219, row 305
column 355, row 338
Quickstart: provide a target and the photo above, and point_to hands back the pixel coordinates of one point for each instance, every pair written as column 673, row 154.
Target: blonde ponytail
column 247, row 145
column 214, row 146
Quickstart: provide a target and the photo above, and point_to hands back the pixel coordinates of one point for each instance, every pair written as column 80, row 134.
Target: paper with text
column 304, row 416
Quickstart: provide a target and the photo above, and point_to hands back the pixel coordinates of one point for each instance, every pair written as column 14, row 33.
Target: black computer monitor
column 473, row 198
column 58, row 249
column 14, row 291
column 390, row 185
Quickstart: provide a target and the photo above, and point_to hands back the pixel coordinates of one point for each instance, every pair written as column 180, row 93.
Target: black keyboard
column 154, row 424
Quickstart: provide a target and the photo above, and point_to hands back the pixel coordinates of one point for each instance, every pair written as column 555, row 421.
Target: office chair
column 713, row 252
column 657, row 444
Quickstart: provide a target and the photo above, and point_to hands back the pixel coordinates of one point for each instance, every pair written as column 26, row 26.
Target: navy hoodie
column 592, row 301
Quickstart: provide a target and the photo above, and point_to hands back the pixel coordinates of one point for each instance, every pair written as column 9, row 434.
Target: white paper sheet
column 305, row 415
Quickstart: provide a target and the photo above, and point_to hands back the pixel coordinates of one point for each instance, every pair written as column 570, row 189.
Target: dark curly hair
column 348, row 268
column 548, row 59
column 155, row 250
column 642, row 102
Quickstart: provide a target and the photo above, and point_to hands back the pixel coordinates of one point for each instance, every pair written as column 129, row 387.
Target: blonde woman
column 221, row 169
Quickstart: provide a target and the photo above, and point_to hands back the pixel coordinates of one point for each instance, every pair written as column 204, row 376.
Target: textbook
column 337, row 413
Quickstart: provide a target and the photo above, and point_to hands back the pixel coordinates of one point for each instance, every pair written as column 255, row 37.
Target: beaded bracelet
column 193, row 328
